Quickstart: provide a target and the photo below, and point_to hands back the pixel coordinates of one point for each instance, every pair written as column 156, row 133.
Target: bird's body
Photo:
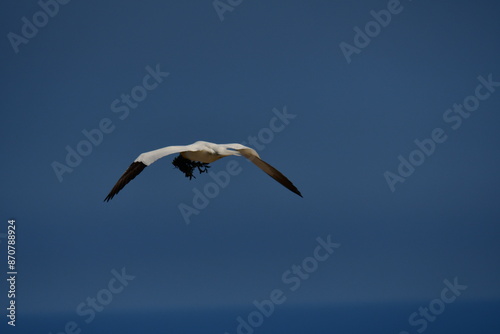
column 207, row 155
column 198, row 155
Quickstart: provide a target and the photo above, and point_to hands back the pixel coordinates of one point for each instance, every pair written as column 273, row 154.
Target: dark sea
column 459, row 317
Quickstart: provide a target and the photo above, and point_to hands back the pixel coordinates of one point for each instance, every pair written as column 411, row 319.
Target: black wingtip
column 109, row 197
column 295, row 190
column 132, row 171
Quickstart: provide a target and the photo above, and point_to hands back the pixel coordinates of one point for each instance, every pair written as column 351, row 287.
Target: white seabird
column 198, row 155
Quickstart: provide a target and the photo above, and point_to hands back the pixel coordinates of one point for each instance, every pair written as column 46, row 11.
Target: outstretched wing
column 142, row 161
column 254, row 157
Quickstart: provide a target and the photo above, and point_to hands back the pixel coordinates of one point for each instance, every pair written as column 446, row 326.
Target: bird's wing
column 254, row 157
column 142, row 161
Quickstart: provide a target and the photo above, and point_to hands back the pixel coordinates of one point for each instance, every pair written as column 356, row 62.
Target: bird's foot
column 205, row 167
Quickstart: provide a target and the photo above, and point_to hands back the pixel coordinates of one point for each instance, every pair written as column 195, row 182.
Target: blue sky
column 352, row 122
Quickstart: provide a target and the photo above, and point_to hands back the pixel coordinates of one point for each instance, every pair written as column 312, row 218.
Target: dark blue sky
column 353, row 121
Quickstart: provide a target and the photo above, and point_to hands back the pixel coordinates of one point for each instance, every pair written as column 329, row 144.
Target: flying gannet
column 198, row 155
